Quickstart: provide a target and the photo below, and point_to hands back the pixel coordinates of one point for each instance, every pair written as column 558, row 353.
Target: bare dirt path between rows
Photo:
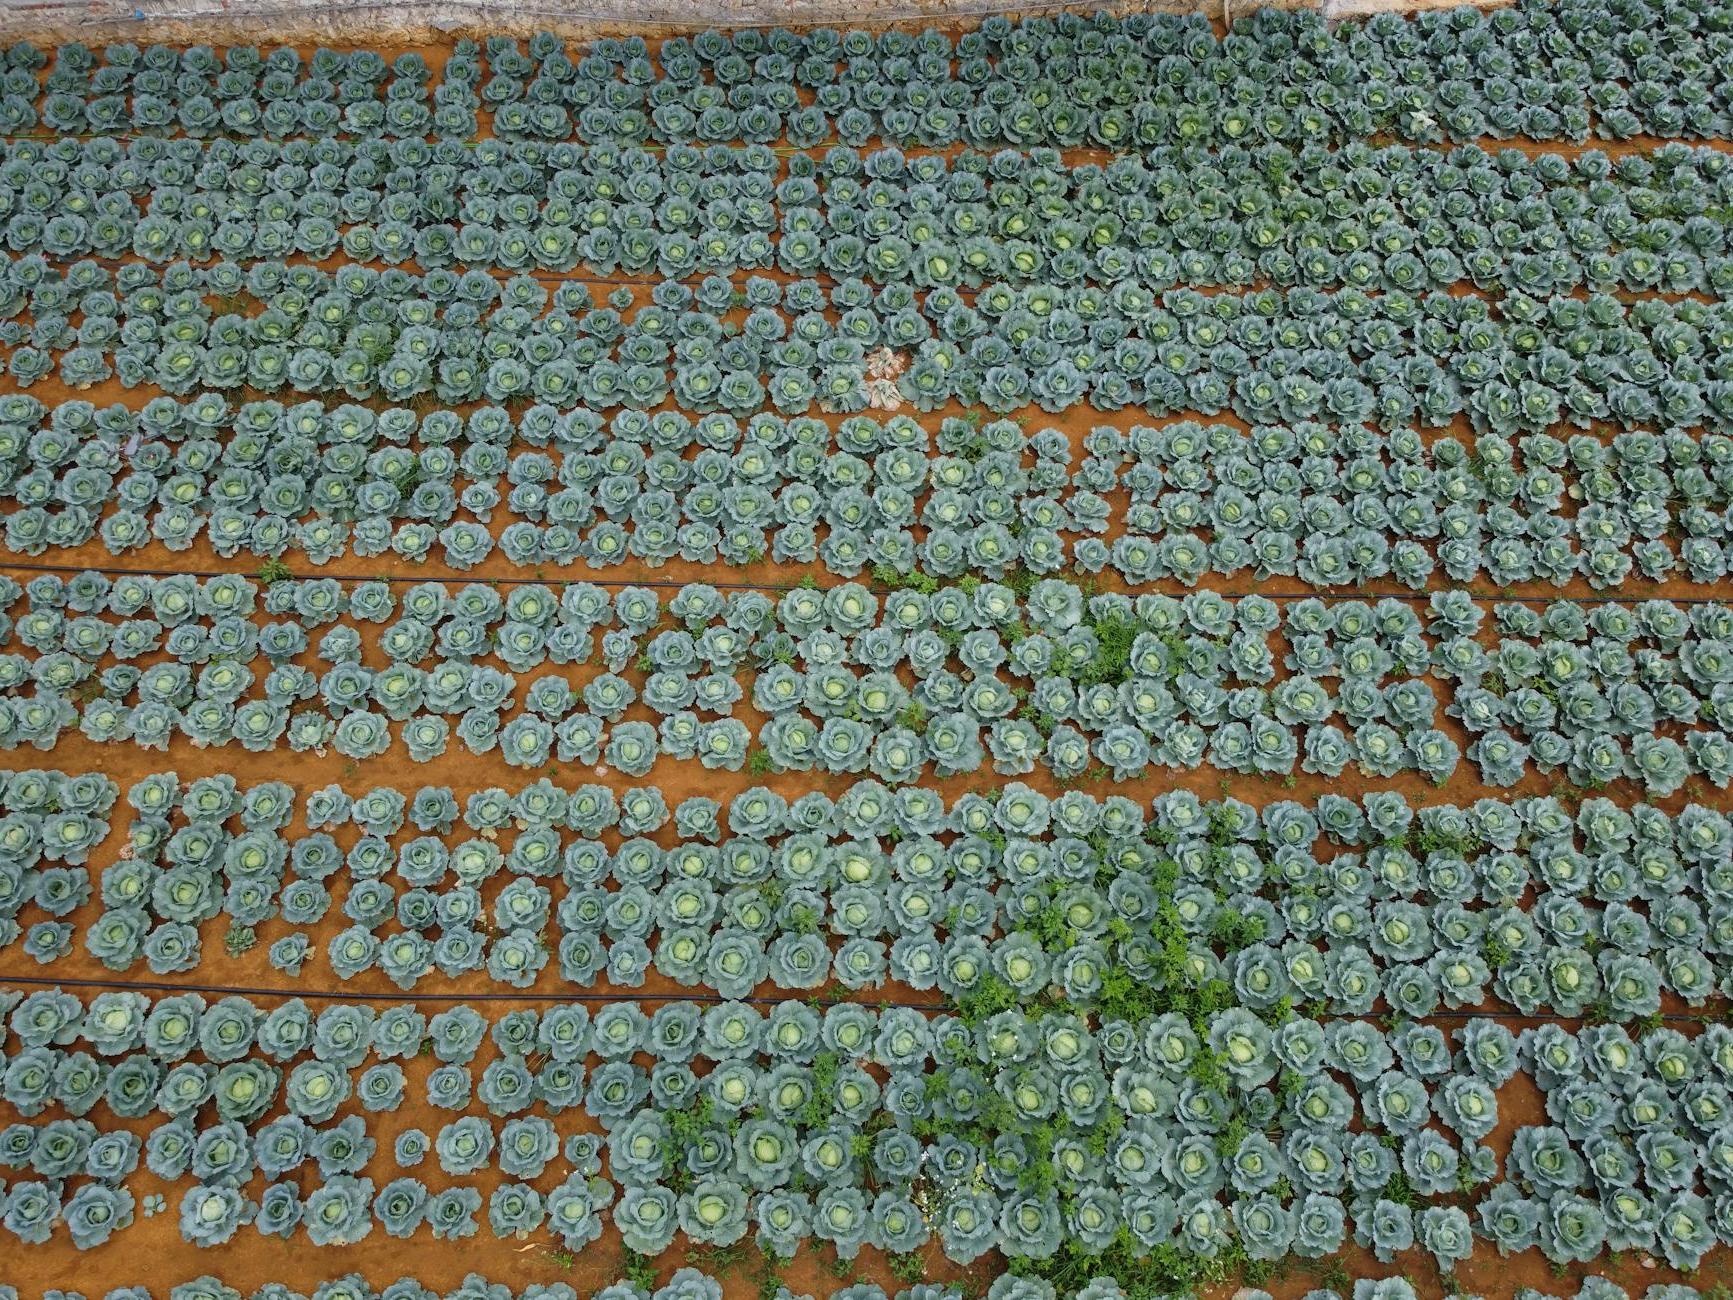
column 151, row 1253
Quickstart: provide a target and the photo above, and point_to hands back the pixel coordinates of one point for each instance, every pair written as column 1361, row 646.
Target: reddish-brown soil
column 250, row 1260
column 151, row 1253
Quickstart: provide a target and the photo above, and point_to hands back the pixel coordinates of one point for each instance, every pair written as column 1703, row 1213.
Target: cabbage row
column 1331, row 505
column 685, row 1284
column 1390, row 218
column 1014, row 1132
column 690, row 1284
column 1635, row 1129
column 163, row 89
column 1268, row 355
column 1333, row 907
column 1049, row 679
column 1177, row 1039
column 1615, row 70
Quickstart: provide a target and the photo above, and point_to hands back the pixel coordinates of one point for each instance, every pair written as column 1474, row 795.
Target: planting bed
column 1088, row 657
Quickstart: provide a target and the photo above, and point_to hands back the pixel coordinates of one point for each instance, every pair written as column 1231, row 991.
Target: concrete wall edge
column 413, row 22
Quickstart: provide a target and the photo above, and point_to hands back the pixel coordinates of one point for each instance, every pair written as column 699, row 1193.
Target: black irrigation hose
column 344, row 995
column 672, row 585
column 1666, row 1017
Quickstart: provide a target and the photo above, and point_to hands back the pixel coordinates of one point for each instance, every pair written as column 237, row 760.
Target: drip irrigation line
column 671, row 584
column 489, row 996
column 1666, row 1017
